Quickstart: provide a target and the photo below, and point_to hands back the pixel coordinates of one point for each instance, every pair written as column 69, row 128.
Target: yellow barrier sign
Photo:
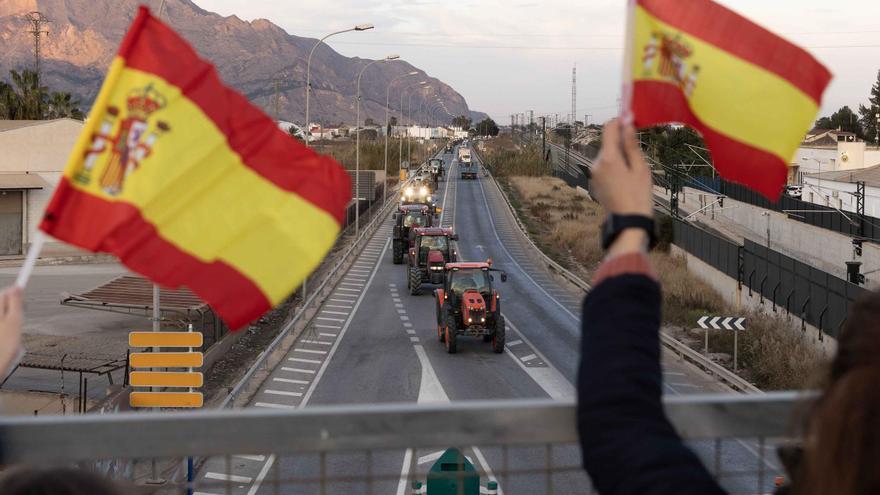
column 166, row 359
column 166, row 399
column 165, row 339
column 165, row 379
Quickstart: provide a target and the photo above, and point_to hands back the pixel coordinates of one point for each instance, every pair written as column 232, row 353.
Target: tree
column 462, row 121
column 844, row 120
column 8, row 102
column 869, row 113
column 392, row 121
column 369, row 122
column 487, row 127
column 63, row 105
column 31, row 96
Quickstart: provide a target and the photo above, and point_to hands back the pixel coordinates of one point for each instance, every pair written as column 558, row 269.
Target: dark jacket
column 628, row 444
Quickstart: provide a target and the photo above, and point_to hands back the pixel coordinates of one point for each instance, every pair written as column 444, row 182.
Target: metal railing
column 528, row 446
column 682, row 350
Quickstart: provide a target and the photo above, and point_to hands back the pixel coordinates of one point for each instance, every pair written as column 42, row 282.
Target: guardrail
column 318, row 296
column 681, row 349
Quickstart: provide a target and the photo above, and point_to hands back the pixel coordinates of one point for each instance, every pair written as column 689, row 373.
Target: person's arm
column 10, row 329
column 628, row 444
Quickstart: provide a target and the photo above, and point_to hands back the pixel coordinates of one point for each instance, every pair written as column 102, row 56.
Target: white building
column 34, row 153
column 837, row 189
column 831, row 151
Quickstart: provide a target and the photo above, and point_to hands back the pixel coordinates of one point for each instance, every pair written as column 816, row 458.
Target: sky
column 512, row 56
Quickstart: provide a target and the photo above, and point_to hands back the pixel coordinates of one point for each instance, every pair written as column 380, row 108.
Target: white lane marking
column 335, row 327
column 404, row 318
column 514, row 342
column 672, row 373
column 325, row 312
column 411, row 332
column 324, row 334
column 262, row 475
column 290, row 380
column 350, row 278
column 283, row 392
column 272, row 405
column 528, row 358
column 351, row 284
column 319, row 342
column 548, row 378
column 337, row 298
column 515, row 262
column 401, row 311
column 259, row 458
column 303, row 360
column 203, row 493
column 228, row 477
column 413, row 339
column 338, row 306
column 310, row 351
column 407, row 325
column 349, row 290
column 430, row 388
column 398, row 305
column 396, row 299
column 297, row 370
column 340, row 320
column 686, row 385
column 402, row 485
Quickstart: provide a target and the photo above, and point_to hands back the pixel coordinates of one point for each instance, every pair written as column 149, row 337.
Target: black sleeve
column 628, row 444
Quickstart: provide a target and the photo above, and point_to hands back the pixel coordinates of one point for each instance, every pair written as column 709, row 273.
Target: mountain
column 251, row 56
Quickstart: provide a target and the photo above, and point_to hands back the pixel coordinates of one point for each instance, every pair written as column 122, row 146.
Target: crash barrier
column 848, row 223
column 570, row 166
column 803, row 291
column 525, row 446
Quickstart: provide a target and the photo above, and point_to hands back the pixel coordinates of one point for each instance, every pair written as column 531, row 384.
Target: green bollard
column 453, row 474
column 417, row 488
column 492, row 488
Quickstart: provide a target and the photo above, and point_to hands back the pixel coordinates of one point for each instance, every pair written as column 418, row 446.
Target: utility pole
column 573, row 97
column 277, row 90
column 37, row 20
column 512, row 124
column 543, row 137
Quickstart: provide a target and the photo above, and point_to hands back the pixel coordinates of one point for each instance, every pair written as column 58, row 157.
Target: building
column 826, row 150
column 838, row 189
column 33, row 156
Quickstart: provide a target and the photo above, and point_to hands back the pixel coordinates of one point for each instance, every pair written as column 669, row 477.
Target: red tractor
column 407, row 218
column 469, row 305
column 429, row 251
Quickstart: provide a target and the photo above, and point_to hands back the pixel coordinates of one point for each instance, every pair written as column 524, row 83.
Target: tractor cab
column 406, row 218
column 435, row 166
column 429, row 251
column 469, row 305
column 418, row 193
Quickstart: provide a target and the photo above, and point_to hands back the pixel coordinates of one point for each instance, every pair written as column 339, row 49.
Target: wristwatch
column 615, row 224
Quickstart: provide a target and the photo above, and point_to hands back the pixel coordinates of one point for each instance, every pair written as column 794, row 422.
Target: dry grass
column 565, row 226
column 505, row 158
column 564, row 223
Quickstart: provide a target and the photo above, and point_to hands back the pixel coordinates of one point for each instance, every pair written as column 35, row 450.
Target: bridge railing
column 527, row 446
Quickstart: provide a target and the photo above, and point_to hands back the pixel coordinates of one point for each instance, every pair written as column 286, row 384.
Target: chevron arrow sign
column 734, row 323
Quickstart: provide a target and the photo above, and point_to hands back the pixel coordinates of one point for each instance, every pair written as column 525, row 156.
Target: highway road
column 373, row 343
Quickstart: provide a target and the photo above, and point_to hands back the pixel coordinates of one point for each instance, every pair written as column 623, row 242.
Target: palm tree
column 30, row 94
column 9, row 104
column 63, row 105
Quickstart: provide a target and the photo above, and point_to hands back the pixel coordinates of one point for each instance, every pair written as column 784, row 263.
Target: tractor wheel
column 415, row 281
column 440, row 319
column 451, row 329
column 499, row 336
column 397, row 255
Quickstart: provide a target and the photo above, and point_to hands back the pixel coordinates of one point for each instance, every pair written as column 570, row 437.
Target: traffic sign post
column 733, row 323
column 162, row 369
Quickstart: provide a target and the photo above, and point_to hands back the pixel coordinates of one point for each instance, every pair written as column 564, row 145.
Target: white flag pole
column 28, row 267
column 626, row 115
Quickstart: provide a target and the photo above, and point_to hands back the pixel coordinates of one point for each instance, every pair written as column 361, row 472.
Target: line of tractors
column 466, row 302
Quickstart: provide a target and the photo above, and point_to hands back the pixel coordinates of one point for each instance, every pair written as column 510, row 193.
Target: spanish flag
column 751, row 94
column 189, row 184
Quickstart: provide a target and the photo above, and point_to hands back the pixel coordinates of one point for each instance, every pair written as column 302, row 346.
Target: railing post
column 762, row 288
column 804, row 315
column 774, row 294
column 751, row 275
column 821, row 319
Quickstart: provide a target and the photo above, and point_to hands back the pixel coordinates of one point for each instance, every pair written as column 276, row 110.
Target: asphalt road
column 372, row 343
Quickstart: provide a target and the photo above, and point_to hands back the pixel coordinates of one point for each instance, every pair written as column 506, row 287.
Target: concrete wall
column 819, row 247
column 41, row 149
column 738, row 298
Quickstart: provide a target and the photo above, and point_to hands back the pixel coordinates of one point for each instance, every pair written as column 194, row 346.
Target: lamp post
column 388, row 126
column 359, row 27
column 357, row 146
column 404, row 117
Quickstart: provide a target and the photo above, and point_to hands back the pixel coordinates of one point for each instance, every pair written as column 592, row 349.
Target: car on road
column 794, row 191
column 468, row 305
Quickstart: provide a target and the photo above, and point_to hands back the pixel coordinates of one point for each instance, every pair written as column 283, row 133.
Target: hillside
column 84, row 34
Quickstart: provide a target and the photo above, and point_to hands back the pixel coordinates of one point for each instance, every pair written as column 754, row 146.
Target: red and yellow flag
column 189, row 184
column 751, row 94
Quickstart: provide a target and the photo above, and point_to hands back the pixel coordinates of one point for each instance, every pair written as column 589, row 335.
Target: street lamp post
column 357, row 146
column 359, row 27
column 403, row 117
column 388, row 126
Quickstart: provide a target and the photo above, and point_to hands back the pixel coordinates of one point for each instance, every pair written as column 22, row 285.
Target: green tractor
column 406, row 218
